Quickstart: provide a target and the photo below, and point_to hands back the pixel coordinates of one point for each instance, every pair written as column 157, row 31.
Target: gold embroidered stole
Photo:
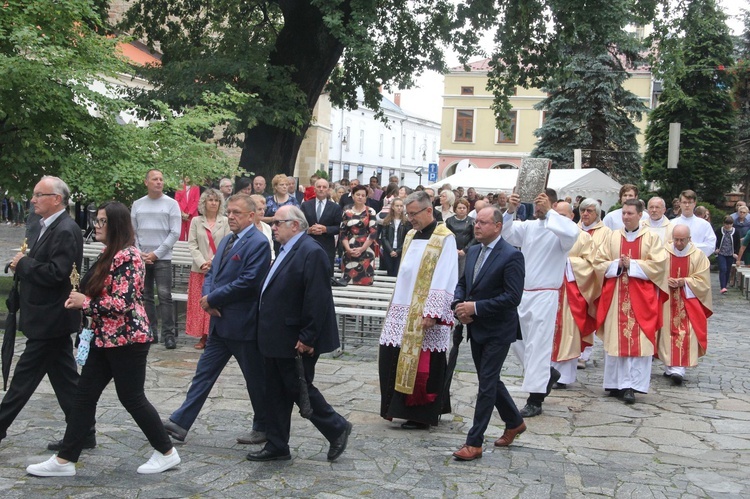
column 411, row 341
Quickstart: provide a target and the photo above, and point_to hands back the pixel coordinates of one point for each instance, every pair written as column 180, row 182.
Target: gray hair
column 225, row 181
column 663, row 203
column 59, row 187
column 211, row 193
column 419, row 197
column 256, row 198
column 294, row 214
column 588, row 203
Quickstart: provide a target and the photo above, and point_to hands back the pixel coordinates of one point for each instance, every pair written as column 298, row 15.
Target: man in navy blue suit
column 486, row 299
column 230, row 295
column 324, row 219
column 296, row 317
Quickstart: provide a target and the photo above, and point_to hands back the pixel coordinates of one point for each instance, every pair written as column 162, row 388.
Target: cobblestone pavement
column 688, row 441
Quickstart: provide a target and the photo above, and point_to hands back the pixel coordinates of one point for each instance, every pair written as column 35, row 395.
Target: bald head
column 681, row 236
column 565, row 209
column 479, row 204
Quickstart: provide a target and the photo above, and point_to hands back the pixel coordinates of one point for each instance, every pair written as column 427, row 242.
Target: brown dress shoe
column 510, row 435
column 468, row 453
column 202, row 343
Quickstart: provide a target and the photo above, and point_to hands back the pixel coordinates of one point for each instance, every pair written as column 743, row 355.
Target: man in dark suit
column 486, row 299
column 324, row 218
column 296, row 317
column 44, row 286
column 230, row 294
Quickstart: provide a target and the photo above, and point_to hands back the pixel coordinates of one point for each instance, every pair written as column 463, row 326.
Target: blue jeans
column 161, row 273
column 725, row 268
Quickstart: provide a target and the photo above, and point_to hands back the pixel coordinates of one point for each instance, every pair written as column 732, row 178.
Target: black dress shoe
column 628, row 396
column 88, row 443
column 338, row 446
column 175, row 431
column 560, row 386
column 554, row 375
column 529, row 411
column 414, row 425
column 170, row 342
column 614, row 392
column 677, row 379
column 267, row 455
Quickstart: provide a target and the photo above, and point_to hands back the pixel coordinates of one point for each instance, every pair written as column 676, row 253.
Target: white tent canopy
column 587, row 182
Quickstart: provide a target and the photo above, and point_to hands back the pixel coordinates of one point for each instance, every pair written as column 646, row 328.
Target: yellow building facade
column 468, row 131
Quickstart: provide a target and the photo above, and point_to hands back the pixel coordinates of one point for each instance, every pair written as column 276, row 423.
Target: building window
column 509, row 139
column 361, row 141
column 380, row 144
column 393, row 147
column 464, row 125
column 467, row 90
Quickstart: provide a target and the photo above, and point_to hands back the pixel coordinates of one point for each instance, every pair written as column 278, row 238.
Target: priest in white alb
column 683, row 336
column 633, row 266
column 656, row 221
column 576, row 316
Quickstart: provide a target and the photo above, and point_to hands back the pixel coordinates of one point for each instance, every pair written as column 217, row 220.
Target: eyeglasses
column 276, row 223
column 99, row 223
column 38, row 195
column 412, row 215
column 235, row 213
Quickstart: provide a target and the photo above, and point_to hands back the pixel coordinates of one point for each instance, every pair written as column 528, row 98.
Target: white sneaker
column 52, row 467
column 160, row 462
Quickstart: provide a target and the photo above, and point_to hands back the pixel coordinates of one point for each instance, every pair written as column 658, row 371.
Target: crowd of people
column 540, row 279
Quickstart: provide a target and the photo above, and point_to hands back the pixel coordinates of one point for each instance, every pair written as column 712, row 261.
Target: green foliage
column 588, row 108
column 717, row 214
column 49, row 54
column 741, row 98
column 538, row 38
column 322, row 174
column 59, row 117
column 697, row 52
column 288, row 53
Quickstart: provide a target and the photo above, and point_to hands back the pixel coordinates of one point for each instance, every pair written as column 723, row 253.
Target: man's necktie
column 478, row 265
column 319, row 211
column 228, row 247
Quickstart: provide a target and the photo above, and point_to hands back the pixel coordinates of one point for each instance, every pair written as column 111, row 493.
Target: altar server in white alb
column 701, row 233
column 545, row 243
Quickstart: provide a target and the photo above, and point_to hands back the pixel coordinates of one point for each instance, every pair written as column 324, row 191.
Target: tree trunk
column 306, row 44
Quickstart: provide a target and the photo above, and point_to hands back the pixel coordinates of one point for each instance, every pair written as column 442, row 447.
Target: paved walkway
column 689, row 441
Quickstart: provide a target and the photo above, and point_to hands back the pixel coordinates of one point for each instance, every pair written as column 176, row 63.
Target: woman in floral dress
column 358, row 234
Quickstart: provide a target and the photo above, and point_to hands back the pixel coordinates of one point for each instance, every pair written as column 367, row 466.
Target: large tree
column 695, row 56
column 741, row 96
column 58, row 116
column 589, row 109
column 286, row 52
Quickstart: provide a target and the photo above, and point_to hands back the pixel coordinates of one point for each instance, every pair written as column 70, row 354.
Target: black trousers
column 127, row 366
column 282, row 390
column 488, row 360
column 53, row 357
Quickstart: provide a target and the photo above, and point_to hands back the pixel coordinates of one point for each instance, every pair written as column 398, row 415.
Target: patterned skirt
column 196, row 323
